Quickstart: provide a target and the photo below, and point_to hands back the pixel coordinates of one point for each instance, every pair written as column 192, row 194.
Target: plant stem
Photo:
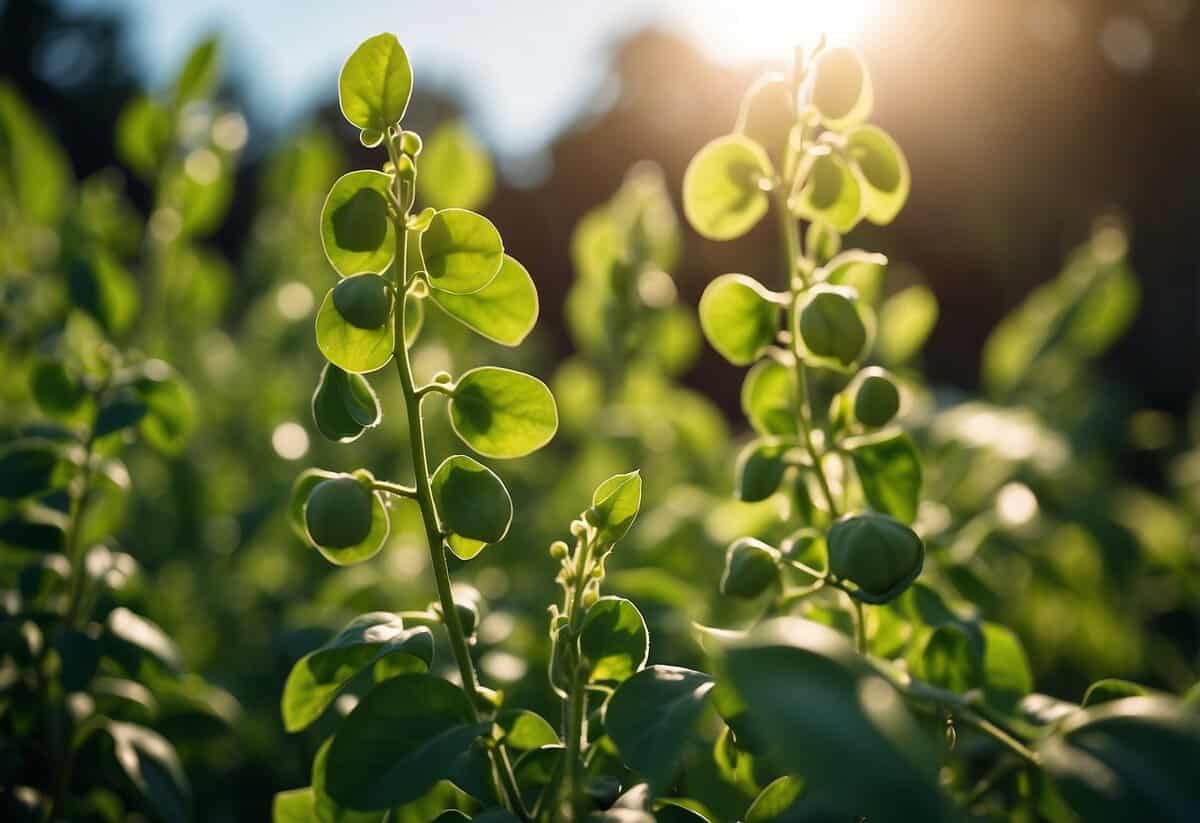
column 433, row 531
column 575, row 705
column 80, row 493
column 860, row 626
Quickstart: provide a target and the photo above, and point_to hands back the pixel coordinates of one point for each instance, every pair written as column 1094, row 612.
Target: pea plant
column 859, row 692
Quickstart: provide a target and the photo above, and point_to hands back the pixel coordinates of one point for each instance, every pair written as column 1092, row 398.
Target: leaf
column 838, row 722
column 400, row 740
column 101, row 286
column 759, row 470
column 36, row 166
column 356, row 231
column 471, row 501
column 832, row 194
column 1110, row 689
column 905, row 322
column 650, row 717
column 455, row 168
column 889, row 470
column 775, row 800
column 615, row 505
column 375, row 83
column 739, row 316
column 859, row 270
column 294, row 806
column 503, row 413
column 751, row 566
column 301, row 488
column 340, row 556
column 143, row 135
column 1132, row 759
column 523, row 730
column 142, row 636
column 722, row 193
column 199, row 73
column 151, row 764
column 329, row 810
column 950, row 659
column 318, row 677
column 614, row 639
column 841, row 88
column 27, row 468
column 769, row 398
column 462, row 251
column 348, row 347
column 831, row 326
column 884, row 172
column 504, row 311
column 344, row 405
column 1007, row 677
column 170, row 405
column 767, row 114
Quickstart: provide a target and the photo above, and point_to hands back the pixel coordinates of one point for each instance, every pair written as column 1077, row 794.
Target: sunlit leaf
column 471, row 500
column 723, row 196
column 375, row 83
column 462, row 251
column 356, row 231
column 503, row 413
column 348, row 347
column 505, row 310
column 455, row 168
column 739, row 316
column 614, row 639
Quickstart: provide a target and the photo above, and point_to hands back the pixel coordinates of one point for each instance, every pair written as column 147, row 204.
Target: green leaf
column 301, row 488
column 455, row 168
column 884, row 170
column 375, row 83
column 27, row 467
column 769, row 398
column 830, row 325
column 35, row 165
column 841, row 89
column 832, row 194
column 767, row 114
column 348, row 347
column 344, row 405
column 739, row 316
column 838, row 722
column 759, row 470
column 505, row 310
column 356, row 231
column 199, row 73
column 462, row 251
column 122, row 412
column 472, row 501
column 135, row 633
column 950, row 659
column 318, row 677
column 889, row 469
column 905, row 322
column 1132, row 759
column 329, row 810
column 775, row 800
column 170, row 407
column 103, row 288
column 615, row 505
column 143, row 135
column 523, row 730
column 614, row 639
column 651, row 715
column 1007, row 677
column 860, row 270
column 503, row 413
column 151, row 764
column 878, row 553
column 364, row 300
column 57, row 390
column 294, row 806
column 723, row 196
column 751, row 567
column 400, row 740
column 345, row 555
column 1110, row 689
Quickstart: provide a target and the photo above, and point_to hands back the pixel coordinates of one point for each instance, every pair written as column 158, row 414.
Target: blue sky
column 526, row 65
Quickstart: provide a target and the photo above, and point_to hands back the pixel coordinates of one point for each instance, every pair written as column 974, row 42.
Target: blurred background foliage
column 1041, row 308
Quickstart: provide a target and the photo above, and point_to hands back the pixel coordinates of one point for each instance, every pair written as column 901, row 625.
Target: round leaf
column 356, row 231
column 471, row 500
column 503, row 413
column 739, row 316
column 769, row 398
column 400, row 740
column 723, row 196
column 348, row 347
column 462, row 251
column 759, row 470
column 364, row 300
column 841, row 89
column 455, row 168
column 889, row 469
column 650, row 718
column 375, row 83
column 884, row 171
column 347, row 555
column 614, row 639
column 505, row 310
column 832, row 194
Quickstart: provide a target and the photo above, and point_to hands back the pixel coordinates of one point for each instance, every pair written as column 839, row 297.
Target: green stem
column 575, row 706
column 433, row 531
column 860, row 626
column 81, row 492
column 960, row 706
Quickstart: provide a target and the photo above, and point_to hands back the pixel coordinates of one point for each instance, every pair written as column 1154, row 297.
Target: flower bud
column 364, row 300
column 338, row 512
column 877, row 399
column 410, row 143
column 589, row 597
column 558, row 550
column 877, row 553
column 751, row 566
column 442, row 378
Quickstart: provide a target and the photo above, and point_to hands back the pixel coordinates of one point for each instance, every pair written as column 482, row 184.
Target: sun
column 738, row 30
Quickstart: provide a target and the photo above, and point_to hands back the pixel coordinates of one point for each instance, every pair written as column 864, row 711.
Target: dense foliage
column 859, row 631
